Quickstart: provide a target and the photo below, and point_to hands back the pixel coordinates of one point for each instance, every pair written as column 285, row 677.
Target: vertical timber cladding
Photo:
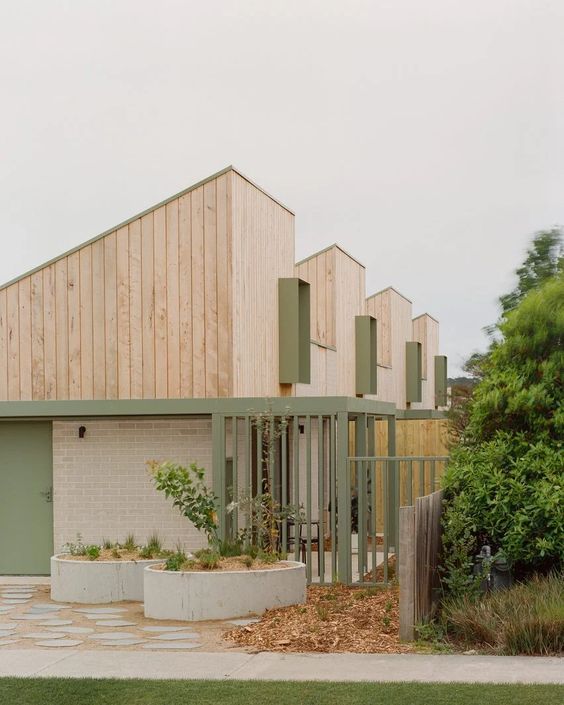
column 294, row 330
column 440, row 380
column 26, row 497
column 413, row 372
column 366, row 362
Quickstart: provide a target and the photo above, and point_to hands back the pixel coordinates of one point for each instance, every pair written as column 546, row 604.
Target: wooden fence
column 420, row 545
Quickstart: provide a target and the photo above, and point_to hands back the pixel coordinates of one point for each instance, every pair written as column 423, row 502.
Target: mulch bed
column 334, row 619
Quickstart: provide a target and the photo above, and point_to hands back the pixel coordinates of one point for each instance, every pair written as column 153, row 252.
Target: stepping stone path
column 101, row 610
column 6, row 625
column 163, row 629
column 115, row 623
column 48, row 606
column 17, row 595
column 113, row 636
column 71, row 630
column 12, row 601
column 59, row 642
column 123, row 642
column 5, row 632
column 56, row 623
column 243, row 622
column 42, row 635
column 175, row 636
column 5, row 642
column 172, row 645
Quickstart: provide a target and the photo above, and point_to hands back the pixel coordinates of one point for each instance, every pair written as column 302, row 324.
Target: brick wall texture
column 102, row 488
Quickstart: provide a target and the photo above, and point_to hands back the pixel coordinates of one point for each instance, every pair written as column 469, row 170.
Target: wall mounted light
column 81, row 431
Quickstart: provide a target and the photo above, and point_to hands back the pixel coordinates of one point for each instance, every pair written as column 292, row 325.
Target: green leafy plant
column 130, row 544
column 189, row 493
column 176, row 561
column 208, row 559
column 93, row 552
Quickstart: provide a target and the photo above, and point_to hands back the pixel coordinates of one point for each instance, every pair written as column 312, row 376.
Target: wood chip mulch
column 334, row 619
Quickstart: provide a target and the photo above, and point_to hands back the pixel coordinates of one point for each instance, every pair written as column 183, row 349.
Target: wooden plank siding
column 143, row 312
column 426, row 331
column 319, row 271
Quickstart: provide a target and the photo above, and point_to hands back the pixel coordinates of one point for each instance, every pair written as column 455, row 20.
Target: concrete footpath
column 275, row 666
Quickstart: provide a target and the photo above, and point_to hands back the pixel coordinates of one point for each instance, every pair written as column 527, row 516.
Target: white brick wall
column 101, row 484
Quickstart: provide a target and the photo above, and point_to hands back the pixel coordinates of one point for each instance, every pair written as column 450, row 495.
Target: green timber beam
column 441, row 380
column 365, row 355
column 191, row 407
column 413, row 372
column 293, row 331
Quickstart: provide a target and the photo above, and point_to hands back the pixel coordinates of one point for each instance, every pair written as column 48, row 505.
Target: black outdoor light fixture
column 81, row 431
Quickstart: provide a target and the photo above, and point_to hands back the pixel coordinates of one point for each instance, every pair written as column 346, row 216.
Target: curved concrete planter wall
column 93, row 582
column 201, row 595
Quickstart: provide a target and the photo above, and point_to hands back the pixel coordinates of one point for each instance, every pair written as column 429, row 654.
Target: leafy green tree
column 505, row 482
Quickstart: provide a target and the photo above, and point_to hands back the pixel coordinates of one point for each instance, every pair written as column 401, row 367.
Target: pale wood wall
column 263, row 251
column 319, row 271
column 426, row 331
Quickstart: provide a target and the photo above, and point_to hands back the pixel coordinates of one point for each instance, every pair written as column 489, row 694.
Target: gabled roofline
column 428, row 316
column 389, row 288
column 326, row 249
column 140, row 215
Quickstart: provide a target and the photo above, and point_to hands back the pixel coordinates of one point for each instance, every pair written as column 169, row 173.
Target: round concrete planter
column 222, row 594
column 97, row 582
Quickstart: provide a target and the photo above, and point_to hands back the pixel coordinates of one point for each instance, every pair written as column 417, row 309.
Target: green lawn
column 57, row 691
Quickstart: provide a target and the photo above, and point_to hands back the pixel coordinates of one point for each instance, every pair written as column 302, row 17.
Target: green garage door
column 26, row 502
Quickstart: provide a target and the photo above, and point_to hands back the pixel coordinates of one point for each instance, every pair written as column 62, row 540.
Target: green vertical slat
column 410, row 483
column 397, row 504
column 413, row 372
column 385, row 518
column 333, row 493
column 218, row 465
column 248, row 465
column 235, row 443
column 372, row 471
column 321, row 498
column 360, row 442
column 296, row 486
column 441, row 381
column 271, row 450
column 389, row 497
column 421, row 478
column 343, row 500
column 284, row 491
column 308, row 498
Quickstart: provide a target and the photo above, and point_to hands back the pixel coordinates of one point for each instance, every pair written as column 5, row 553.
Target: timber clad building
column 161, row 337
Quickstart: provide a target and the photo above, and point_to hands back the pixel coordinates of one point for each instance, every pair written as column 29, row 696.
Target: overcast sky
column 426, row 138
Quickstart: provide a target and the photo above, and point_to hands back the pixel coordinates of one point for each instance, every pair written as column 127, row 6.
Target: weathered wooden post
column 407, row 573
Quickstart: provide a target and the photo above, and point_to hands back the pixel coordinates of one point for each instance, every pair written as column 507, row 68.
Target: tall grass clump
column 526, row 619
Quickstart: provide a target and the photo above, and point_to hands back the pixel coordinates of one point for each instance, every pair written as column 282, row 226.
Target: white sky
column 427, row 138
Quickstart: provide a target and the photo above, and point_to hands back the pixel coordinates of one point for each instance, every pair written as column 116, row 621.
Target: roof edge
column 389, row 288
column 135, row 217
column 326, row 249
column 428, row 316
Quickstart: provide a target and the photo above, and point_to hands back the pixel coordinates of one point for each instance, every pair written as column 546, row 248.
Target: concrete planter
column 202, row 595
column 97, row 582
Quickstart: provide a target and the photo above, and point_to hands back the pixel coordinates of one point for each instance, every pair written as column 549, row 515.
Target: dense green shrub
column 506, row 493
column 505, row 481
column 527, row 619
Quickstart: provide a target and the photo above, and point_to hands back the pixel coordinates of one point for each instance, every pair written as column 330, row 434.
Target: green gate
column 26, row 497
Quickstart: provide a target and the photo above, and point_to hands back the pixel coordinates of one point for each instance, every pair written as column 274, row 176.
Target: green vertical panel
column 26, row 498
column 413, row 371
column 440, row 380
column 321, row 497
column 361, row 487
column 365, row 344
column 293, row 331
column 390, row 478
column 296, row 484
column 304, row 333
column 308, row 497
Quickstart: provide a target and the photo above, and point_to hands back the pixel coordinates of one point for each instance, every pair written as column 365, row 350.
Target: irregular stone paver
column 115, row 623
column 7, row 625
column 13, row 601
column 172, row 645
column 5, row 642
column 59, row 642
column 49, row 606
column 112, row 636
column 101, row 610
column 17, row 595
column 123, row 642
column 163, row 629
column 5, row 632
column 27, row 617
column 5, row 610
column 42, row 635
column 72, row 630
column 175, row 636
column 56, row 623
column 243, row 622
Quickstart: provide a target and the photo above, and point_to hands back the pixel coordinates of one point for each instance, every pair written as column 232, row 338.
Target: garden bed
column 334, row 619
column 199, row 594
